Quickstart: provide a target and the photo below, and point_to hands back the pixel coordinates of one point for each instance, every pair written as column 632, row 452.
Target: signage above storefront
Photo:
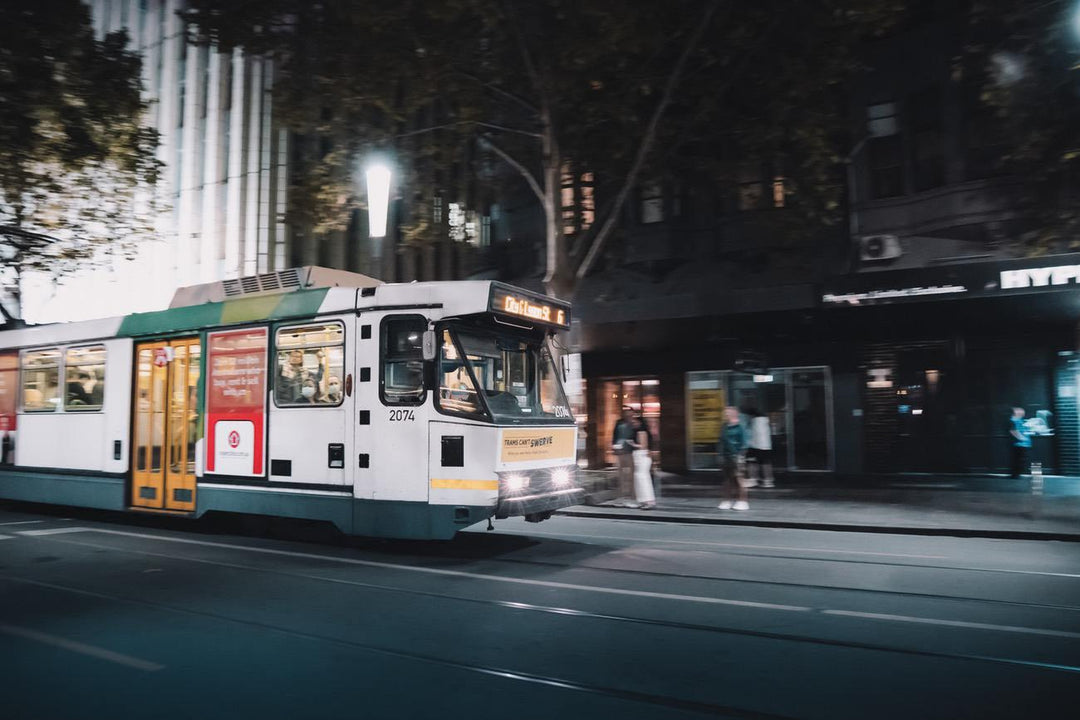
column 1039, row 277
column 1060, row 273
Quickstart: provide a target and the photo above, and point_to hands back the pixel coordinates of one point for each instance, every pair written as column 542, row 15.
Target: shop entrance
column 642, row 395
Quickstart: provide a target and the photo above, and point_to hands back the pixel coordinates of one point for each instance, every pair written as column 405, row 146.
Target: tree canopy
column 1023, row 56
column 77, row 167
column 625, row 94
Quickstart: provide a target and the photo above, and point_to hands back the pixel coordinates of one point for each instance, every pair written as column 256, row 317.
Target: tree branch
column 530, row 68
column 529, row 177
column 646, row 144
column 490, row 126
column 500, row 91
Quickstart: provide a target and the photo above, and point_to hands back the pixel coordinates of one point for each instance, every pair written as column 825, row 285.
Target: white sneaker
column 725, row 505
column 741, row 505
column 750, row 482
column 768, row 484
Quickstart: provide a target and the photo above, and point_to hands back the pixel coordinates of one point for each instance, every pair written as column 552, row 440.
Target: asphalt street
column 112, row 616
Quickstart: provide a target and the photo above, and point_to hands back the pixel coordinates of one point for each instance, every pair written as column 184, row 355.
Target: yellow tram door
column 166, row 424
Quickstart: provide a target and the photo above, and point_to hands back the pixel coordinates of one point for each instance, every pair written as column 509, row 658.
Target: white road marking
column 52, row 531
column 23, row 522
column 445, row 573
column 731, row 545
column 7, row 537
column 82, row 648
column 954, row 623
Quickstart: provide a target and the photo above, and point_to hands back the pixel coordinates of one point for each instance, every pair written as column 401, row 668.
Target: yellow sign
column 706, row 415
column 532, row 445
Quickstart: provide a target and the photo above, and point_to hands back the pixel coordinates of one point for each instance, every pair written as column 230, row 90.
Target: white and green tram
column 391, row 410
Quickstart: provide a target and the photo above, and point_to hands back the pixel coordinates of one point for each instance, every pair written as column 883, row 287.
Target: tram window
column 403, row 360
column 309, row 366
column 457, row 393
column 84, row 387
column 41, row 380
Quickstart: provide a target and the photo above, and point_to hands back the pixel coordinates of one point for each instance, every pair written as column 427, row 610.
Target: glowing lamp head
column 561, row 477
column 378, row 191
column 516, row 483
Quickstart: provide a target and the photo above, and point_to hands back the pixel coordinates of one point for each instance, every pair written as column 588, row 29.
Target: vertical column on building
column 264, row 261
column 167, row 127
column 190, row 180
column 253, row 102
column 234, row 196
column 281, row 186
column 212, row 175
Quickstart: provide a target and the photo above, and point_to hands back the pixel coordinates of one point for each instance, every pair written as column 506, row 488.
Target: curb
column 835, row 527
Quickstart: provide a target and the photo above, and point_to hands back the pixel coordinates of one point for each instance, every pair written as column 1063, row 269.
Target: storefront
column 797, row 401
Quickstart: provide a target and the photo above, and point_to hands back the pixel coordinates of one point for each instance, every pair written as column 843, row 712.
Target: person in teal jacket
column 731, row 447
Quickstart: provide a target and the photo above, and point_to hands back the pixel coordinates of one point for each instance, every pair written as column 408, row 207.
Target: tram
column 390, row 410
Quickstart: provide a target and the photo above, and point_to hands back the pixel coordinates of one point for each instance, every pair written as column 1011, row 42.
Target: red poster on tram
column 236, row 402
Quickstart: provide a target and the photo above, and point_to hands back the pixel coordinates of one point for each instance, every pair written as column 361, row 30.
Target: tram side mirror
column 564, row 366
column 429, row 346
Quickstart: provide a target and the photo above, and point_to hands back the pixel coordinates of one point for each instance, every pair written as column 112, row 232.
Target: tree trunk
column 557, row 278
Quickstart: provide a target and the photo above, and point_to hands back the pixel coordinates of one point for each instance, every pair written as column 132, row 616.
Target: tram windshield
column 517, row 379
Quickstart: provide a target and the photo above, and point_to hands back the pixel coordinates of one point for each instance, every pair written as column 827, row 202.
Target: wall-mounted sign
column 872, row 296
column 1039, row 277
column 527, row 306
column 879, row 378
column 236, row 402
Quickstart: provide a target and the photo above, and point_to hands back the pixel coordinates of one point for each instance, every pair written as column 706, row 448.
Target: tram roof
column 439, row 298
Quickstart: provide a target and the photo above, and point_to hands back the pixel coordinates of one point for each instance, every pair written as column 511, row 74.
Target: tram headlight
column 560, row 477
column 516, row 483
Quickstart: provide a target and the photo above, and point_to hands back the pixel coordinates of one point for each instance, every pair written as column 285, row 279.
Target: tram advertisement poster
column 9, row 376
column 534, row 445
column 236, row 402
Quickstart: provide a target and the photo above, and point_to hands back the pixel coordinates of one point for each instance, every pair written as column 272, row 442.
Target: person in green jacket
column 732, row 450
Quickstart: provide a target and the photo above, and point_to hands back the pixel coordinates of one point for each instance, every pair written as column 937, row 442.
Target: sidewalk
column 966, row 506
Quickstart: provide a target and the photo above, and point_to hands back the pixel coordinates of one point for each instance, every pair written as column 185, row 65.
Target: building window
column 41, row 380
column 403, row 360
column 577, row 200
column 652, row 203
column 779, row 192
column 310, row 365
column 84, row 369
column 928, row 149
column 885, row 151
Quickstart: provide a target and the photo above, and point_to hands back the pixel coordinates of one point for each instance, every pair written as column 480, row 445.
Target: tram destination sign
column 528, row 306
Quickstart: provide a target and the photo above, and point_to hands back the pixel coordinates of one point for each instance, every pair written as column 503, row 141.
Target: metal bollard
column 1036, row 488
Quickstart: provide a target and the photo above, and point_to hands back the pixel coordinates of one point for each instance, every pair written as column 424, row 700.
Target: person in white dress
column 643, row 487
column 760, row 450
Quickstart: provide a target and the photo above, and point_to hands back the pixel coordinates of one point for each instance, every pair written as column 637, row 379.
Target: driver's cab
column 504, row 376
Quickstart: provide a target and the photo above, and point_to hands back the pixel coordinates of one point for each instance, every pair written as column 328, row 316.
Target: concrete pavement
column 973, row 506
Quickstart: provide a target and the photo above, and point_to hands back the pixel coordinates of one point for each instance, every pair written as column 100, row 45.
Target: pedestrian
column 732, row 449
column 760, row 452
column 1021, row 442
column 622, row 442
column 643, row 487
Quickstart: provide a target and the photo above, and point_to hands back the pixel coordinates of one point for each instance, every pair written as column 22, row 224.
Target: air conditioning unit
column 879, row 247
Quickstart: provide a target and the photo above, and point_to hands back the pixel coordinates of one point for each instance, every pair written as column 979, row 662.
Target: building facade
column 899, row 346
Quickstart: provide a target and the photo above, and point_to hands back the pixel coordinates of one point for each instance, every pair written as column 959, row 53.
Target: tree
column 556, row 88
column 77, row 168
column 1023, row 59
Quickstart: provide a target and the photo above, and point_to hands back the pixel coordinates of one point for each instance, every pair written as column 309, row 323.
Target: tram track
column 562, row 611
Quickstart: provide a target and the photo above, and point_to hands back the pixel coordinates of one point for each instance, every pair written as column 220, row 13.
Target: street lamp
column 378, row 191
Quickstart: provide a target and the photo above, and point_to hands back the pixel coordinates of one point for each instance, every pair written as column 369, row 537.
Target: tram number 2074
column 401, row 415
